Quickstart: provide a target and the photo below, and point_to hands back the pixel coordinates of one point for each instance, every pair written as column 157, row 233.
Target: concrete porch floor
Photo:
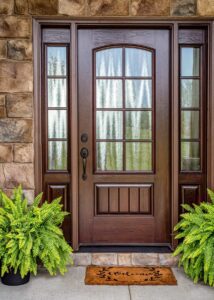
column 71, row 286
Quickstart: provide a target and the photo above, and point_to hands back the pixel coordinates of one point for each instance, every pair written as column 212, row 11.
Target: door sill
column 124, row 249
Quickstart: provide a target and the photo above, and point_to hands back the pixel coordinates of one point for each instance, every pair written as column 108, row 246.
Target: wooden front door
column 124, row 129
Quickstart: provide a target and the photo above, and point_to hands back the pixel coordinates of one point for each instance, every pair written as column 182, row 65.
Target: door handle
column 84, row 154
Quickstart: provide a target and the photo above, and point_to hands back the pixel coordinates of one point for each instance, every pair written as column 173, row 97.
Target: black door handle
column 84, row 154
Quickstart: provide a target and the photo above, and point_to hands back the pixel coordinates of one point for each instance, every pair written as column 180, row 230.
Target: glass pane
column 189, row 92
column 109, row 93
column 189, row 124
column 57, row 92
column 109, row 156
column 139, row 125
column 57, row 155
column 138, row 62
column 109, row 125
column 190, row 159
column 190, row 61
column 57, row 61
column 109, row 62
column 139, row 156
column 57, row 124
column 138, row 93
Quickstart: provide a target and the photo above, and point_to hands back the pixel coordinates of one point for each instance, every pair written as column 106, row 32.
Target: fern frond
column 211, row 195
column 29, row 233
column 196, row 249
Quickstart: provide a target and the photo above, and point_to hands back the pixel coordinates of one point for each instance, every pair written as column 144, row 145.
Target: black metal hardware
column 84, row 154
column 84, row 138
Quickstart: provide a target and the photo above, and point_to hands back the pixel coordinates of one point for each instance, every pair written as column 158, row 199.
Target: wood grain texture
column 124, row 199
column 190, row 194
column 184, row 179
column 55, row 191
column 124, row 211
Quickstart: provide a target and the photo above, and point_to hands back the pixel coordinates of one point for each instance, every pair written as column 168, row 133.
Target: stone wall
column 16, row 68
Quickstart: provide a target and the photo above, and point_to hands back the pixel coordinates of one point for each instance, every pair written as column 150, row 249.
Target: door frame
column 169, row 23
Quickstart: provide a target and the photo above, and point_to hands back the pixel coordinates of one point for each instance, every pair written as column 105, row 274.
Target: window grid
column 124, row 110
column 57, row 147
column 191, row 109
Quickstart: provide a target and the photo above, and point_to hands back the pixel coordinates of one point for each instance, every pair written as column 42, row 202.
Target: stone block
column 105, row 259
column 16, row 174
column 166, row 259
column 19, row 105
column 6, row 7
column 6, row 153
column 124, row 259
column 3, row 49
column 16, row 77
column 21, row 7
column 2, row 112
column 108, row 7
column 2, row 100
column 184, row 7
column 41, row 7
column 19, row 49
column 72, row 7
column 15, row 130
column 23, row 153
column 8, row 192
column 29, row 194
column 82, row 259
column 13, row 26
column 2, row 177
column 145, row 259
column 150, row 7
column 206, row 7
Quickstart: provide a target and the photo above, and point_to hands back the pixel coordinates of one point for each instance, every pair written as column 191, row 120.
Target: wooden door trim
column 210, row 108
column 74, row 133
column 174, row 133
column 75, row 24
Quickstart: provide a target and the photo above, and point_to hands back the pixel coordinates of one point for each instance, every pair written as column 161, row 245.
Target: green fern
column 196, row 249
column 29, row 234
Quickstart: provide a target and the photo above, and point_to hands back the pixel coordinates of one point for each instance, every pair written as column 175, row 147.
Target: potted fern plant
column 30, row 234
column 196, row 249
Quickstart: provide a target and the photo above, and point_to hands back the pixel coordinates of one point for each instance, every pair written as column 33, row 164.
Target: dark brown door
column 124, row 136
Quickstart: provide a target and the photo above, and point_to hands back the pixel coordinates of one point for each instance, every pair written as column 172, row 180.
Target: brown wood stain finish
column 102, row 223
column 135, row 209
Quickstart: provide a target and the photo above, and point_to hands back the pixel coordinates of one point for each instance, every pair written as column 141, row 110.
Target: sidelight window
column 124, row 109
column 190, row 109
column 57, row 82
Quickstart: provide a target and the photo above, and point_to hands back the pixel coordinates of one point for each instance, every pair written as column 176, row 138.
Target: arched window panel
column 124, row 102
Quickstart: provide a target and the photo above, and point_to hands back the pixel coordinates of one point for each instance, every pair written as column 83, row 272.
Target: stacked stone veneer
column 125, row 259
column 16, row 68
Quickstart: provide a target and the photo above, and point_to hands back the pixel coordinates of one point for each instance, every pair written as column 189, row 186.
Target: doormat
column 100, row 275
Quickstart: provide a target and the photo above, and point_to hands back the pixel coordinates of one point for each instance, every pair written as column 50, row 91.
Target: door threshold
column 124, row 249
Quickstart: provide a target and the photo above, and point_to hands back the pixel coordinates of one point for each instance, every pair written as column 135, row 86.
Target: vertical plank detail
column 134, row 206
column 123, row 199
column 102, row 197
column 124, row 204
column 113, row 200
column 145, row 198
